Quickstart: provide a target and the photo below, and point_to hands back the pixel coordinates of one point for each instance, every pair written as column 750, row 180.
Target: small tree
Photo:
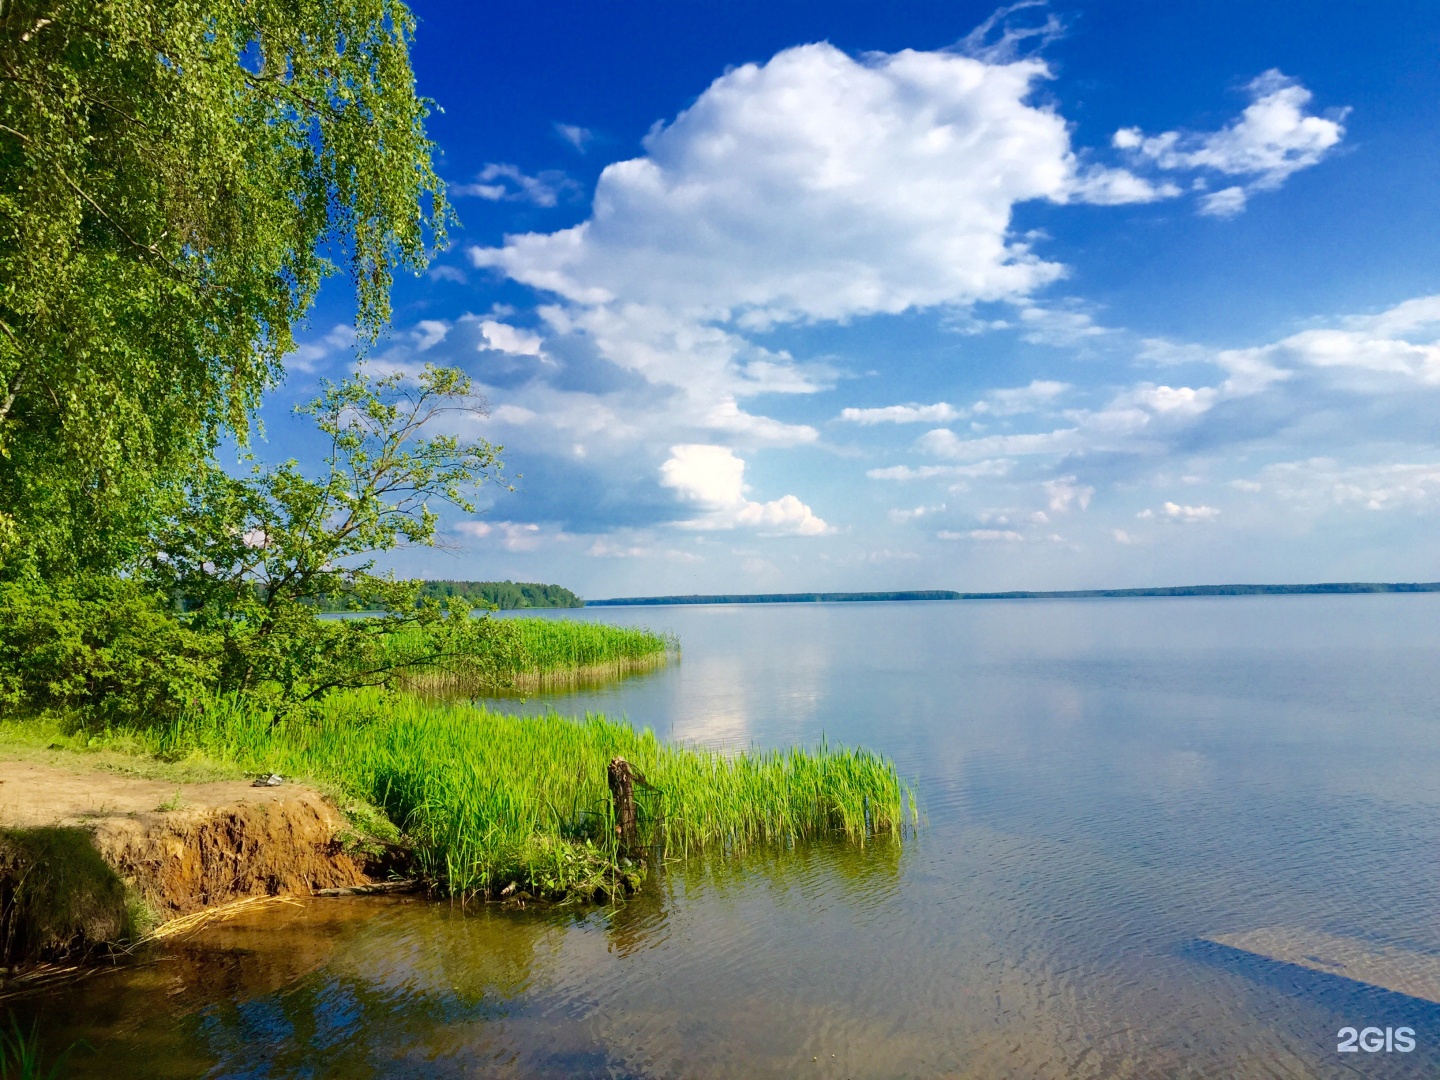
column 251, row 559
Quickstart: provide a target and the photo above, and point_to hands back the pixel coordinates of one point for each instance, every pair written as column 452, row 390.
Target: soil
column 176, row 848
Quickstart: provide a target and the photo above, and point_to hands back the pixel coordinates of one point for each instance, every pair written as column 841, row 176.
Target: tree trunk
column 622, row 789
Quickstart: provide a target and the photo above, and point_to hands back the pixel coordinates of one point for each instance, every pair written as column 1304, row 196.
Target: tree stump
column 622, row 790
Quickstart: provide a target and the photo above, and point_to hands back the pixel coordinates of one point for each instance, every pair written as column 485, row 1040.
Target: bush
column 111, row 648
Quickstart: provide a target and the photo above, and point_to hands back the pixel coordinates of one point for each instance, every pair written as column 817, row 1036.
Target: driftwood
column 623, row 778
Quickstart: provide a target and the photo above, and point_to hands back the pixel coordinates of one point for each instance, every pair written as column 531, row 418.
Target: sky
column 793, row 296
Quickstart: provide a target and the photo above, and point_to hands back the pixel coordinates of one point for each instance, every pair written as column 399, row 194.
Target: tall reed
column 491, row 799
column 542, row 654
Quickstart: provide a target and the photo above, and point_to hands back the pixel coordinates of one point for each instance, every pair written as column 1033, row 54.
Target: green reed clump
column 530, row 654
column 491, row 800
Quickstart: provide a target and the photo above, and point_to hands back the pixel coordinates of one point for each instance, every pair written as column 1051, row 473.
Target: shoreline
column 94, row 862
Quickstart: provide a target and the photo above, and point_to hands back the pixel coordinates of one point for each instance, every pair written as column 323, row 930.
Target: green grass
column 536, row 654
column 490, row 799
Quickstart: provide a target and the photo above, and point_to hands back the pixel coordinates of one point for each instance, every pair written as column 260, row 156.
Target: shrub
column 109, row 647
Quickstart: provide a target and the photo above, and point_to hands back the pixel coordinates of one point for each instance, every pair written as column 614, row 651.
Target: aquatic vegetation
column 495, row 802
column 541, row 654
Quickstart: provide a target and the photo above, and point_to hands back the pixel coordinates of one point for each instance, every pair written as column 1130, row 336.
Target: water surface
column 1106, row 784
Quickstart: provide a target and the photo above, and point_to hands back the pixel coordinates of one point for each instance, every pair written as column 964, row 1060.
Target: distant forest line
column 1322, row 588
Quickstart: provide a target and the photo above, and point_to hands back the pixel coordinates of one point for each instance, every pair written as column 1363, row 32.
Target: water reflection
column 1107, row 785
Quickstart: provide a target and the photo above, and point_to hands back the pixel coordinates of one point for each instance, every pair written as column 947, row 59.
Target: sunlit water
column 1105, row 784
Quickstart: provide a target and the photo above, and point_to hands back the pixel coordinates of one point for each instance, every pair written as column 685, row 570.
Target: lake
column 1107, row 788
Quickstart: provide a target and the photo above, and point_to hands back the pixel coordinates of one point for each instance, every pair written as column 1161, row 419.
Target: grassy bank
column 546, row 654
column 491, row 799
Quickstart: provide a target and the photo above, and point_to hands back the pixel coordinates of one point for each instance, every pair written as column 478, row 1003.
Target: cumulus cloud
column 502, row 337
column 1274, row 138
column 822, row 186
column 712, row 478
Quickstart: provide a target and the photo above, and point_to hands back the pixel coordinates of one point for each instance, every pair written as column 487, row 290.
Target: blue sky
column 869, row 296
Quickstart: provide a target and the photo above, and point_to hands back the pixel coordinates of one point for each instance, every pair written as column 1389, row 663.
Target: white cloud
column 1021, row 399
column 821, row 186
column 577, row 136
column 942, row 442
column 510, row 339
column 1005, row 536
column 1271, row 140
column 1321, row 483
column 310, row 355
column 939, row 413
column 713, row 479
column 605, row 548
column 917, row 512
column 497, row 182
column 1058, row 327
column 428, row 333
column 1227, row 202
column 1188, row 516
column 945, row 472
column 512, row 535
column 441, row 272
column 1066, row 494
column 1123, row 537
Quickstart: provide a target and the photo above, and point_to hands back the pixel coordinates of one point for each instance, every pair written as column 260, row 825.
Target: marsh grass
column 532, row 655
column 500, row 805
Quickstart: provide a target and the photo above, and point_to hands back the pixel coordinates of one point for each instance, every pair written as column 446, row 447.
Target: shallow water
column 1106, row 785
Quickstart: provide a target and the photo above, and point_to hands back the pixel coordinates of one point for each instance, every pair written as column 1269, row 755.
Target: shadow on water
column 1360, row 1003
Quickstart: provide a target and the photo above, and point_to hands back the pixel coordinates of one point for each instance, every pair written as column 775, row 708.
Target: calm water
column 1105, row 784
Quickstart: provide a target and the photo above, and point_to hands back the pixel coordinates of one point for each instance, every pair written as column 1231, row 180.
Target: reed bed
column 530, row 655
column 498, row 805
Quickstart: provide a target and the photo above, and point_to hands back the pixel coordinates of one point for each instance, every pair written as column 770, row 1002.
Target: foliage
column 493, row 799
column 176, row 177
column 250, row 558
column 110, row 647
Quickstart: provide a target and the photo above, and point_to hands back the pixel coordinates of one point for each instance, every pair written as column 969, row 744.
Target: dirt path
column 33, row 794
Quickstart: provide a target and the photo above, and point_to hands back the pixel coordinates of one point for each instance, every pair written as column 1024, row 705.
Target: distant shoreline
column 1322, row 589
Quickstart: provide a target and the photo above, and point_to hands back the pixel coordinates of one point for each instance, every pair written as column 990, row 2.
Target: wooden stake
column 622, row 789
